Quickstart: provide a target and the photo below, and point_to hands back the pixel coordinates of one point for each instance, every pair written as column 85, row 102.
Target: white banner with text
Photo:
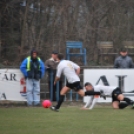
column 12, row 85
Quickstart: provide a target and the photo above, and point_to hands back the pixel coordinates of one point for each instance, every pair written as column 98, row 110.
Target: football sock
column 91, row 93
column 129, row 101
column 61, row 99
column 122, row 105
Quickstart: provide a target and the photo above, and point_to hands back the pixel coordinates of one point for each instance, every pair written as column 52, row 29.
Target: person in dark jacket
column 123, row 61
column 33, row 70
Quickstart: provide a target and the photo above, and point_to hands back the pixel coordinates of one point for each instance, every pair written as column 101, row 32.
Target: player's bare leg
column 81, row 92
column 119, row 105
column 63, row 91
column 122, row 105
column 120, row 97
column 115, row 104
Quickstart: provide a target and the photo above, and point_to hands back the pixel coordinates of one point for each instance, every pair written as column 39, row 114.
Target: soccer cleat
column 54, row 109
column 102, row 95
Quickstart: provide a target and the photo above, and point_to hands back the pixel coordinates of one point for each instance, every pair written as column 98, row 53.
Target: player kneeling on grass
column 71, row 72
column 118, row 99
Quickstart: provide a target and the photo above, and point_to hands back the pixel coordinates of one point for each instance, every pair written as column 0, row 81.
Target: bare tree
column 48, row 24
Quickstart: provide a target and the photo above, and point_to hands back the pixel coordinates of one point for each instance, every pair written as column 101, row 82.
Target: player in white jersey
column 71, row 72
column 114, row 92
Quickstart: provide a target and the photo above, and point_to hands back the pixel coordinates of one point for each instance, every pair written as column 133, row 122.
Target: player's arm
column 56, row 79
column 95, row 99
column 58, row 74
column 89, row 101
column 78, row 71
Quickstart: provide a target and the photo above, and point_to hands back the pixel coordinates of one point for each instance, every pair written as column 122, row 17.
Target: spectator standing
column 51, row 65
column 123, row 61
column 33, row 69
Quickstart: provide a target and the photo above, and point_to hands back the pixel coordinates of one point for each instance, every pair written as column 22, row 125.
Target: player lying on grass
column 114, row 92
column 71, row 72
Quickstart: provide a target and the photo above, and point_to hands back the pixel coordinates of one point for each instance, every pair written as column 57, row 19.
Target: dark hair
column 34, row 51
column 60, row 56
column 123, row 50
column 88, row 84
column 54, row 52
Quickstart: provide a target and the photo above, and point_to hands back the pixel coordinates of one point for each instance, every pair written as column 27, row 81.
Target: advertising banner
column 12, row 85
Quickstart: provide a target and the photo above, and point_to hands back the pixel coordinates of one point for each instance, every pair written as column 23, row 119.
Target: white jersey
column 68, row 69
column 107, row 90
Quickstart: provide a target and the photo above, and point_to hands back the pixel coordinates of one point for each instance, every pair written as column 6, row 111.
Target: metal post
column 51, row 85
column 71, row 95
column 77, row 97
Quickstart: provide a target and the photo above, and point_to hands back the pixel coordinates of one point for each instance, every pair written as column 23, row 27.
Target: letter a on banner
column 103, row 79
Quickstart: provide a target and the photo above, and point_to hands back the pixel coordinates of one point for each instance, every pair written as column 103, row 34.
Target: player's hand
column 54, row 83
column 83, row 108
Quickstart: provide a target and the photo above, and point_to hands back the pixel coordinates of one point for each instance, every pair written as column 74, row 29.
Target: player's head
column 88, row 86
column 60, row 56
column 123, row 52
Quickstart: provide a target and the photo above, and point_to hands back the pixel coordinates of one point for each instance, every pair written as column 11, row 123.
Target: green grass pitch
column 70, row 120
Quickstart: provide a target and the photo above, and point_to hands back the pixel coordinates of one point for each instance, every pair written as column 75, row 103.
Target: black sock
column 61, row 99
column 129, row 101
column 122, row 105
column 91, row 93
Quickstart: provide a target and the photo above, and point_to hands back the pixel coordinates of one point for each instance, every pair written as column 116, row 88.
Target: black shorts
column 75, row 86
column 115, row 94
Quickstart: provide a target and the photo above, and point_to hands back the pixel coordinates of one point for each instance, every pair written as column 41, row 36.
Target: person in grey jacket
column 51, row 65
column 123, row 61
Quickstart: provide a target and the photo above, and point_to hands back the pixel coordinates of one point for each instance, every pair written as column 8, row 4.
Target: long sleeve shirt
column 107, row 90
column 123, row 62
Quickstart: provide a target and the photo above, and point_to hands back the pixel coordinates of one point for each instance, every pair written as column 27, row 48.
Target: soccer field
column 70, row 120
